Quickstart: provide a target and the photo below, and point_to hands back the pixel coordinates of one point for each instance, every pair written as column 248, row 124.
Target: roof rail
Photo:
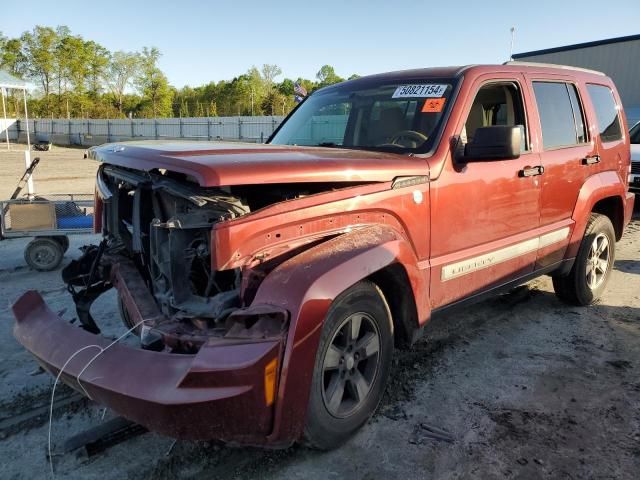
column 552, row 65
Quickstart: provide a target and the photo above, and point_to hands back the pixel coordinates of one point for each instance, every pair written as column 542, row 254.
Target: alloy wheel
column 350, row 365
column 598, row 261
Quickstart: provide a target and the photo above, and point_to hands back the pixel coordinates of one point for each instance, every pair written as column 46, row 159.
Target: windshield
column 398, row 116
column 634, row 134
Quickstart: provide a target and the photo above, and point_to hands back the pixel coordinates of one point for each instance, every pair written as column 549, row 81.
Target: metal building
column 618, row 57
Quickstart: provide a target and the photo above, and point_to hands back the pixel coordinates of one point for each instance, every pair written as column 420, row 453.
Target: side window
column 606, row 112
column 561, row 117
column 496, row 104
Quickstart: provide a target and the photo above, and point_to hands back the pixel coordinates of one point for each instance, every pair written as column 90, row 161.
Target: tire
column 43, row 254
column 349, row 377
column 591, row 270
column 63, row 240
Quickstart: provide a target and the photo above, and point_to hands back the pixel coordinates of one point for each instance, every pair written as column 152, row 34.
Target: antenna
column 513, row 37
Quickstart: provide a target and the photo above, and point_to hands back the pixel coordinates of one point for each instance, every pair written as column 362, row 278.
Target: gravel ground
column 519, row 386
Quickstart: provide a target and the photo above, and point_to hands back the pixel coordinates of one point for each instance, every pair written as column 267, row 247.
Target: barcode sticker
column 419, row 91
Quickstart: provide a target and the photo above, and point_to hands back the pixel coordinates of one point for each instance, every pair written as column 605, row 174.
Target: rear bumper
column 218, row 393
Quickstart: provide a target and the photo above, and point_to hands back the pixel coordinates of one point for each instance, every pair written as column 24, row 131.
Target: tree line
column 78, row 78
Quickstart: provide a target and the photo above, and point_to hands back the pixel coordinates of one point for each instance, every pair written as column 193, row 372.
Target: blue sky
column 205, row 41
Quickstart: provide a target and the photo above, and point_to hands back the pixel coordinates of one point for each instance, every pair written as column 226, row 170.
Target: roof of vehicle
column 458, row 71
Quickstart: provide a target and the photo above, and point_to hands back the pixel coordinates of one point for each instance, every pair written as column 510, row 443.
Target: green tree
column 153, row 85
column 98, row 59
column 123, row 68
column 12, row 58
column 327, row 76
column 286, row 87
column 269, row 73
column 308, row 85
column 40, row 57
column 72, row 70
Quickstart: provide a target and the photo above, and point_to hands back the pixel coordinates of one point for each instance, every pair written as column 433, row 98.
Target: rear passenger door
column 565, row 150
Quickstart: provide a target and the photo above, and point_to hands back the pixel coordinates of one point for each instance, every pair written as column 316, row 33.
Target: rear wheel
column 588, row 277
column 43, row 254
column 352, row 366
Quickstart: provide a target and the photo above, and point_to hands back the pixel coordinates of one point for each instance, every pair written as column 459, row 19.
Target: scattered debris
column 424, row 431
column 102, row 437
column 619, row 364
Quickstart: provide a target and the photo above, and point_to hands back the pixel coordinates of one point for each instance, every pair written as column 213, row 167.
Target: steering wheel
column 418, row 137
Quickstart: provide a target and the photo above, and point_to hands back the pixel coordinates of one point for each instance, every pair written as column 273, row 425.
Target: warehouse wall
column 620, row 61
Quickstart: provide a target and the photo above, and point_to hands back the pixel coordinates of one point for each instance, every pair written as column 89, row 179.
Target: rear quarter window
column 606, row 112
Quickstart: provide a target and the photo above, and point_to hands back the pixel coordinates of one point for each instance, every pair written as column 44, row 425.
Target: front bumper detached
column 217, row 393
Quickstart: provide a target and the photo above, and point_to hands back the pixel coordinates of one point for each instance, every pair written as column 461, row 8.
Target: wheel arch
column 602, row 193
column 612, row 207
column 306, row 286
column 395, row 286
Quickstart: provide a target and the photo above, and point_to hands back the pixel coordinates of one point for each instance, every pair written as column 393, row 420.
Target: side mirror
column 494, row 143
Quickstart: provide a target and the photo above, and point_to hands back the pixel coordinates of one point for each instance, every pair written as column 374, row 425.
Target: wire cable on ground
column 55, row 383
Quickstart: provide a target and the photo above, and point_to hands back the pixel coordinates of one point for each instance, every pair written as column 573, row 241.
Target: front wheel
column 591, row 270
column 352, row 366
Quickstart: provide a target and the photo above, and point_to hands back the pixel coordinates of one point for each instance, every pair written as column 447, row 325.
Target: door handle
column 531, row 171
column 591, row 159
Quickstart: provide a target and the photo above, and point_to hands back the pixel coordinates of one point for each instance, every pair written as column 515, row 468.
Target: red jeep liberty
column 270, row 284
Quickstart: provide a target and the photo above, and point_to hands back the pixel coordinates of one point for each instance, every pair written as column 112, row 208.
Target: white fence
column 96, row 131
column 322, row 128
column 10, row 125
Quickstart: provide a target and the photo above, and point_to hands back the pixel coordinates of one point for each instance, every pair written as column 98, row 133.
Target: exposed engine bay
column 156, row 251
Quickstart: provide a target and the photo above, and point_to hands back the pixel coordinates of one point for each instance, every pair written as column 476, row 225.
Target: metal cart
column 49, row 219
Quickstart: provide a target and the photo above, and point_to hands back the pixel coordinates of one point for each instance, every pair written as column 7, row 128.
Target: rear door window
column 606, row 112
column 561, row 116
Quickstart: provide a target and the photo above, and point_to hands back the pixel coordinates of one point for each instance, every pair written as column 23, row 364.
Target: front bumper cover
column 218, row 393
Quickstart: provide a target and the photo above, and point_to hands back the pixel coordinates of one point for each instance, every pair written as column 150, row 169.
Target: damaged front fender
column 306, row 285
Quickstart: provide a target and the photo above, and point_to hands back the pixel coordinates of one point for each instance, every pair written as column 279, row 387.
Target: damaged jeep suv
column 269, row 284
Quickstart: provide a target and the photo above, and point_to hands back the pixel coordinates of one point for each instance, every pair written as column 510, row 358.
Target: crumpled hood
column 219, row 164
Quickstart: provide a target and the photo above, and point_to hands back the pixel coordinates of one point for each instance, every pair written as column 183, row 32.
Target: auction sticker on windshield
column 419, row 91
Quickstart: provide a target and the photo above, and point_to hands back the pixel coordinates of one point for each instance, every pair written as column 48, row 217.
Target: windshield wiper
column 328, row 144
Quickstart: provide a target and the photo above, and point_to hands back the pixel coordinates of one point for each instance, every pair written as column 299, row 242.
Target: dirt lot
column 62, row 170
column 522, row 386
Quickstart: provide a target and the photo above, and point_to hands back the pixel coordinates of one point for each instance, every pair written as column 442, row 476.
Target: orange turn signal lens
column 270, row 382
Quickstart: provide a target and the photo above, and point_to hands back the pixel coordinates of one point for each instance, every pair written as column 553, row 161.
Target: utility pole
column 6, row 123
column 513, row 36
column 252, row 101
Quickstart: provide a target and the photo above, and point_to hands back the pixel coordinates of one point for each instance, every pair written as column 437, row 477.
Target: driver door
column 485, row 214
